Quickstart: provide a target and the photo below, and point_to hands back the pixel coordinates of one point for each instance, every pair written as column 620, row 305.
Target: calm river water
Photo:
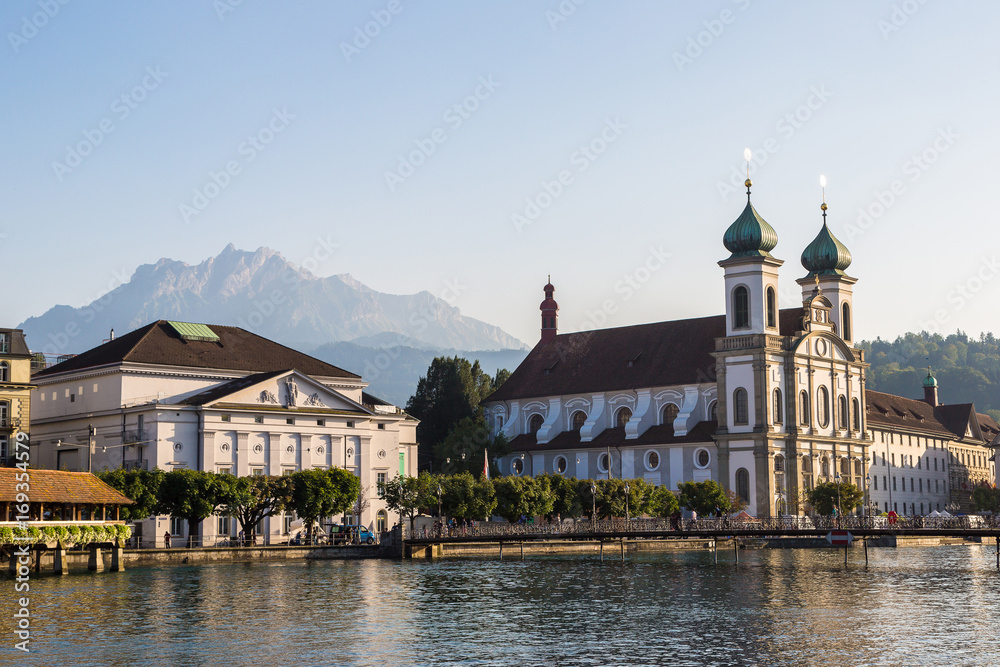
column 915, row 606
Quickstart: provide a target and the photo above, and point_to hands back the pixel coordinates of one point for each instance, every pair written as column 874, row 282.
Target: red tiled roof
column 59, row 486
column 661, row 354
column 237, row 349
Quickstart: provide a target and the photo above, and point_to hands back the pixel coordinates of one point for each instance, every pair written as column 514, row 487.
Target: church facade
column 766, row 402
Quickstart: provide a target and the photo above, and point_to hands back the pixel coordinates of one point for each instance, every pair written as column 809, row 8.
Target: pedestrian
column 836, row 522
column 166, row 539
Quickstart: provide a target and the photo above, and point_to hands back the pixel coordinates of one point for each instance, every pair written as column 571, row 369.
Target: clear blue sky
column 331, row 121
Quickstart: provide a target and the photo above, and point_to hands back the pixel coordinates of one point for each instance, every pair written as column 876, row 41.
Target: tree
column 737, row 504
column 465, row 497
column 703, row 497
column 611, row 497
column 317, row 493
column 586, row 496
column 566, row 501
column 523, row 496
column 140, row 486
column 824, row 497
column 192, row 495
column 405, row 495
column 251, row 499
column 987, row 499
column 467, row 445
column 450, row 392
column 361, row 504
column 662, row 501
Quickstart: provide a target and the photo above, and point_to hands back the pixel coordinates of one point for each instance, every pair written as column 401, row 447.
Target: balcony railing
column 751, row 341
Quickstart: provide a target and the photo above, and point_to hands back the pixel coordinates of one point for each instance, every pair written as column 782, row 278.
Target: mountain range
column 337, row 317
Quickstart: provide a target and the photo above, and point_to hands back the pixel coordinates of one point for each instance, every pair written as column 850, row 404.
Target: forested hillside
column 967, row 369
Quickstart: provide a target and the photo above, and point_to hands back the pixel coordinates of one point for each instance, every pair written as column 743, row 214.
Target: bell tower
column 550, row 314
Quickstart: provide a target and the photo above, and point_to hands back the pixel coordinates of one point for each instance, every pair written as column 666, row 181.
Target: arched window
column 845, row 320
column 534, row 424
column 823, row 406
column 807, row 473
column 743, row 484
column 825, row 467
column 741, row 308
column 622, row 417
column 772, row 309
column 713, row 411
column 842, row 411
column 777, row 406
column 670, row 412
column 4, row 371
column 578, row 419
column 804, row 408
column 857, row 415
column 381, row 521
column 740, row 412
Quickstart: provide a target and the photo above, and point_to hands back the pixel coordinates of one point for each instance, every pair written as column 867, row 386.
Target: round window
column 702, row 458
column 560, row 464
column 652, row 460
column 517, row 466
column 602, row 462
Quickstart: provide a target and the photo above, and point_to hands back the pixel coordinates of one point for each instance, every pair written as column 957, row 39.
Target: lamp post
column 626, row 505
column 439, row 502
column 593, row 514
column 868, row 497
column 840, row 510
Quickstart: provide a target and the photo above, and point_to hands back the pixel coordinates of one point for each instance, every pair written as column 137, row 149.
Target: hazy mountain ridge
column 262, row 292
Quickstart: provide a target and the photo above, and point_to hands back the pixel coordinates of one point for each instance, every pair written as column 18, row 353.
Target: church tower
column 825, row 259
column 751, row 274
column 550, row 314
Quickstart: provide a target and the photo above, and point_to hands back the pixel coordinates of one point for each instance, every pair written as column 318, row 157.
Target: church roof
column 161, row 343
column 750, row 235
column 624, row 358
column 826, row 256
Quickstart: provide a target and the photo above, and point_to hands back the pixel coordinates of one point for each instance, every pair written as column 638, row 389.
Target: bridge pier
column 522, row 550
column 602, row 551
column 59, row 564
column 623, row 549
column 736, row 549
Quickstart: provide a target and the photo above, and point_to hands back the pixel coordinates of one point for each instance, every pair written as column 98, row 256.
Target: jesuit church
column 766, row 402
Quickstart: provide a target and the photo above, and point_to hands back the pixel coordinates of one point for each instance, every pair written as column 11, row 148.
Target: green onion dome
column 826, row 256
column 750, row 235
column 930, row 381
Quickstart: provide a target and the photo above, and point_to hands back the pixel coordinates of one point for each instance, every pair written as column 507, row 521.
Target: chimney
column 112, row 334
column 930, row 389
column 550, row 314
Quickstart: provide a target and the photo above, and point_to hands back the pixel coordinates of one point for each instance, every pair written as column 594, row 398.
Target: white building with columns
column 206, row 397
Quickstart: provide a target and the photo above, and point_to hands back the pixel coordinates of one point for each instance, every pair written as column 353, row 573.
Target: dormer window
column 622, row 417
column 4, row 343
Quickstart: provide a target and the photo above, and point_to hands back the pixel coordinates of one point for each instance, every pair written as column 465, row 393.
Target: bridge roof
column 60, row 487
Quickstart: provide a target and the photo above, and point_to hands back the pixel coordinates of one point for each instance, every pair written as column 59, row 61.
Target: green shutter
column 402, row 464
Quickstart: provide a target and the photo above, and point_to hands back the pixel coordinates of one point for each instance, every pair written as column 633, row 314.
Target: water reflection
column 923, row 606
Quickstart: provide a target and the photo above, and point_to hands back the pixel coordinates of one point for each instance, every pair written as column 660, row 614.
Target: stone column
column 96, row 561
column 59, row 565
column 117, row 557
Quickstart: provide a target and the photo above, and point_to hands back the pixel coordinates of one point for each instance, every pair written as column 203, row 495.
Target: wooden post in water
column 522, row 550
column 501, row 551
column 623, row 549
column 846, row 544
column 865, row 538
column 602, row 551
column 998, row 552
column 715, row 548
column 736, row 549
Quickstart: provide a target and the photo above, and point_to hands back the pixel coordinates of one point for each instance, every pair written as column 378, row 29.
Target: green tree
column 523, row 496
column 662, row 501
column 450, row 392
column 566, row 500
column 986, row 499
column 465, row 497
column 192, row 495
column 824, row 497
column 140, row 486
column 611, row 497
column 467, row 445
column 586, row 496
column 405, row 495
column 703, row 497
column 318, row 493
column 251, row 499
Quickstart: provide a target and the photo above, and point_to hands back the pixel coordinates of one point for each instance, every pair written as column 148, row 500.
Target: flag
column 486, row 463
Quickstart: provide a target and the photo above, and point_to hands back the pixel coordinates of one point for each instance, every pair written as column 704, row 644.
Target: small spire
column 747, row 154
column 822, row 184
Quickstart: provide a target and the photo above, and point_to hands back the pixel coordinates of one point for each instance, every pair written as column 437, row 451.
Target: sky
column 474, row 149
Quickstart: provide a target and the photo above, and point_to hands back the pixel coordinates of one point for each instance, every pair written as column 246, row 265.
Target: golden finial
column 822, row 184
column 747, row 154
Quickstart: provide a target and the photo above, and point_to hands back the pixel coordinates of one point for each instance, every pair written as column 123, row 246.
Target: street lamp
column 626, row 505
column 593, row 514
column 840, row 510
column 868, row 497
column 439, row 502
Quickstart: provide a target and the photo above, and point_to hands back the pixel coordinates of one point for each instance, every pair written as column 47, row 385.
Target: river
column 911, row 606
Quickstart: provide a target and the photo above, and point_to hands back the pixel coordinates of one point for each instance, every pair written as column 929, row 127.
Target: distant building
column 15, row 391
column 206, row 397
column 768, row 403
